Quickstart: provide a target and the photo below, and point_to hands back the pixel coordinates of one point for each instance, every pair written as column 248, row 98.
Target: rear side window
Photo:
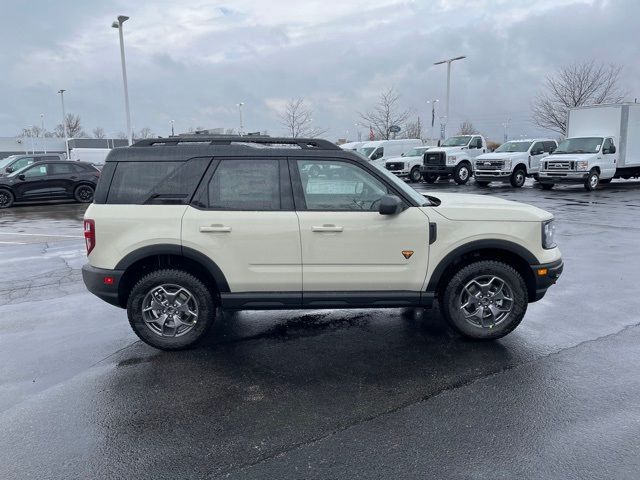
column 61, row 169
column 156, row 182
column 245, row 185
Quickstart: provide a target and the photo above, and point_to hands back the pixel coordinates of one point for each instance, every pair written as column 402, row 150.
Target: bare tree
column 145, row 133
column 98, row 132
column 297, row 119
column 32, row 131
column 414, row 129
column 122, row 135
column 385, row 114
column 467, row 128
column 74, row 127
column 585, row 83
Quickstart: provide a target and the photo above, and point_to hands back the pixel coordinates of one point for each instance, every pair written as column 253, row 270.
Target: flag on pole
column 372, row 136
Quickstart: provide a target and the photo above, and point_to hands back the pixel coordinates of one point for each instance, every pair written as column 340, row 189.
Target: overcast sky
column 194, row 62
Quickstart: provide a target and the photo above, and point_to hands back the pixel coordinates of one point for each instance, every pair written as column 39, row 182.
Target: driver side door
column 347, row 245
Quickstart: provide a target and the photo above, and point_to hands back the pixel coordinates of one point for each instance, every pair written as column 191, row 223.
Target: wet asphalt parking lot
column 326, row 394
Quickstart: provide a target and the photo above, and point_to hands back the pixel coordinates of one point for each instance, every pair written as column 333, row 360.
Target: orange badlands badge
column 407, row 254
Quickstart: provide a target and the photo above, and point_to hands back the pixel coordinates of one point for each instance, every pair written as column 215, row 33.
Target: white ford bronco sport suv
column 180, row 227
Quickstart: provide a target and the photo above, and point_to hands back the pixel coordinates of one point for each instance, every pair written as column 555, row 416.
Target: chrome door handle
column 327, row 228
column 215, row 229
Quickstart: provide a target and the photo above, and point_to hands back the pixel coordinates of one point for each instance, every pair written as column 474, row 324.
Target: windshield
column 366, row 151
column 6, row 161
column 415, row 152
column 456, row 141
column 579, row 145
column 514, row 147
column 401, row 185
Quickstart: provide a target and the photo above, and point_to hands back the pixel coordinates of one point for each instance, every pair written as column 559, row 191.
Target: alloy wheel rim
column 593, row 181
column 464, row 173
column 519, row 178
column 84, row 193
column 4, row 199
column 170, row 310
column 486, row 301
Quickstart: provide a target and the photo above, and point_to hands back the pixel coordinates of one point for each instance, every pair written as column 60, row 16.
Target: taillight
column 90, row 234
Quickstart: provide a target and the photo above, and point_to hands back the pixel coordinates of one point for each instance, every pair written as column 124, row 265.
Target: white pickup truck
column 454, row 158
column 408, row 164
column 512, row 161
column 603, row 143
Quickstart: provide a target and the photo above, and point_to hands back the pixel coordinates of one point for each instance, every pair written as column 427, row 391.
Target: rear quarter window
column 144, row 182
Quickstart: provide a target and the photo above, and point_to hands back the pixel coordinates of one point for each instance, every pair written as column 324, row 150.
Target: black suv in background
column 49, row 180
column 16, row 162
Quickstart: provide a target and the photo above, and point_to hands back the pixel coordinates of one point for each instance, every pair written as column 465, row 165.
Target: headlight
column 582, row 165
column 549, row 234
column 507, row 164
column 451, row 160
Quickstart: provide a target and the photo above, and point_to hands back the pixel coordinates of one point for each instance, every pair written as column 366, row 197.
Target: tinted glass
column 61, row 169
column 335, row 185
column 23, row 162
column 49, row 158
column 154, row 182
column 537, row 147
column 608, row 143
column 37, row 171
column 549, row 146
column 245, row 185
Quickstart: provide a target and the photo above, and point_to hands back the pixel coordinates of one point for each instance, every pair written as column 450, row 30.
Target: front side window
column 549, row 146
column 23, row 162
column 245, row 185
column 537, row 148
column 336, row 185
column 378, row 153
column 37, row 171
column 476, row 142
column 608, row 143
column 61, row 169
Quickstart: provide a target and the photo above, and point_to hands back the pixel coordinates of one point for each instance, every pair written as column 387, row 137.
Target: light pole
column 241, row 131
column 358, row 132
column 44, row 142
column 433, row 113
column 64, row 122
column 118, row 25
column 506, row 130
column 30, row 128
column 446, row 114
column 173, row 133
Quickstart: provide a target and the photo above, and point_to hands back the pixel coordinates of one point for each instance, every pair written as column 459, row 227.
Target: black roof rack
column 304, row 143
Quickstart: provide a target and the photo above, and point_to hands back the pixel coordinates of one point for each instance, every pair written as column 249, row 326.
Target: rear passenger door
column 62, row 178
column 242, row 218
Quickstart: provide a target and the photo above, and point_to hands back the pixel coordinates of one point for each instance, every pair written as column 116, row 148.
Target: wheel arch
column 511, row 253
column 523, row 165
column 153, row 257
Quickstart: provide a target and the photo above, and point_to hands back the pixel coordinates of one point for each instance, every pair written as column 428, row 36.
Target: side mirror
column 9, row 169
column 21, row 176
column 390, row 205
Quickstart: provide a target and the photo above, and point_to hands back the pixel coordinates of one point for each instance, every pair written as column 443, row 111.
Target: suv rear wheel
column 170, row 309
column 462, row 173
column 83, row 194
column 485, row 300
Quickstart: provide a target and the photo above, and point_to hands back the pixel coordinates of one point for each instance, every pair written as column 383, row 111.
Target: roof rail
column 304, row 143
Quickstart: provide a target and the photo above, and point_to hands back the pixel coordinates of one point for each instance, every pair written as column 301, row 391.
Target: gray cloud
column 193, row 64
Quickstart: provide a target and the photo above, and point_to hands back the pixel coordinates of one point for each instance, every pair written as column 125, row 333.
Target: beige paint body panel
column 367, row 253
column 256, row 251
column 121, row 229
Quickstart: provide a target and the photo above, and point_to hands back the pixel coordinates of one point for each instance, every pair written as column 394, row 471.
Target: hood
column 395, row 159
column 501, row 156
column 571, row 157
column 447, row 149
column 462, row 206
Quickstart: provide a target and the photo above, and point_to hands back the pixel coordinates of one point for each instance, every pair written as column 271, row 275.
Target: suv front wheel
column 485, row 300
column 170, row 309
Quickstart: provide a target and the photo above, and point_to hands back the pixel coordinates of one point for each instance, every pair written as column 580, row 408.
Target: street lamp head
column 115, row 25
column 122, row 18
column 61, row 91
column 459, row 58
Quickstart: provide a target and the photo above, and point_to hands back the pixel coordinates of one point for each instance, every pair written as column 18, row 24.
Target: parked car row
column 603, row 143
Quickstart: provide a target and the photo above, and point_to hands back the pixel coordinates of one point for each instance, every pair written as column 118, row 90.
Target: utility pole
column 172, row 130
column 241, row 131
column 64, row 122
column 44, row 142
column 446, row 114
column 118, row 25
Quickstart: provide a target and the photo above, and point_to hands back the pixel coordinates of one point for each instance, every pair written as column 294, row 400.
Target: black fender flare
column 474, row 246
column 178, row 250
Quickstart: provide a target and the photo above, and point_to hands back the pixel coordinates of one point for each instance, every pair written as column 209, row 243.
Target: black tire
column 536, row 177
column 592, row 181
column 547, row 186
column 84, row 193
column 415, row 175
column 518, row 177
column 482, row 183
column 454, row 293
column 6, row 198
column 462, row 173
column 430, row 177
column 171, row 278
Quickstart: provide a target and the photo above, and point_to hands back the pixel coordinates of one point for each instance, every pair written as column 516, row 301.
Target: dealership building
column 26, row 145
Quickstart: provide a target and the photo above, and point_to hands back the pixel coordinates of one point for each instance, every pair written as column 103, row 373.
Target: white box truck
column 603, row 143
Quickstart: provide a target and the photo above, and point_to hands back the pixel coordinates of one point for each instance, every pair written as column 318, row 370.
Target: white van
column 351, row 145
column 379, row 150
